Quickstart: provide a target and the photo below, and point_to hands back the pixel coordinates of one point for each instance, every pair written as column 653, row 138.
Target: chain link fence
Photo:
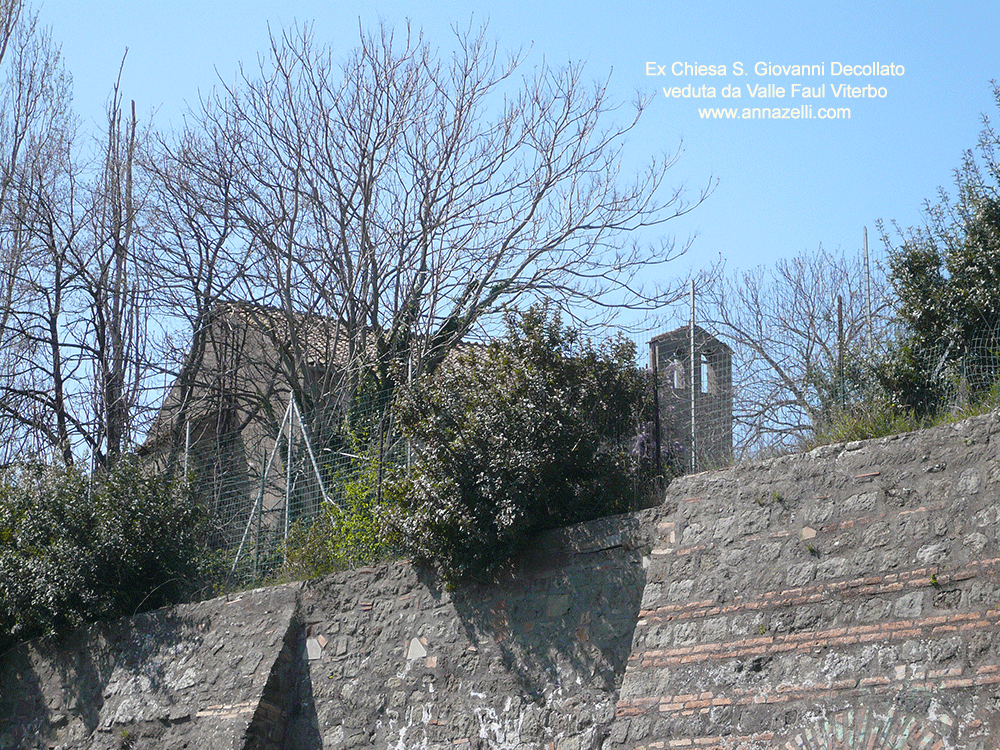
column 259, row 482
column 719, row 400
column 692, row 395
column 952, row 376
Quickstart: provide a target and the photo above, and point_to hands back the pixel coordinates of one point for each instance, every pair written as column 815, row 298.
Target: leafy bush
column 74, row 549
column 946, row 276
column 531, row 432
column 346, row 533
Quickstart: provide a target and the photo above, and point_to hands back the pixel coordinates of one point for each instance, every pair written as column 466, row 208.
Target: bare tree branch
column 412, row 198
column 73, row 340
column 782, row 324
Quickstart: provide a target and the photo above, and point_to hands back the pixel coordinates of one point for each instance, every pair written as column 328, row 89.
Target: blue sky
column 784, row 186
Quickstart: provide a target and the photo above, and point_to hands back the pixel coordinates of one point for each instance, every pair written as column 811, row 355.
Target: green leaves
column 948, row 286
column 74, row 548
column 947, row 279
column 528, row 433
column 346, row 533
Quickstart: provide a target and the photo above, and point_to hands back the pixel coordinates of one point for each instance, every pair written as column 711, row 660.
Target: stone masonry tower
column 701, row 380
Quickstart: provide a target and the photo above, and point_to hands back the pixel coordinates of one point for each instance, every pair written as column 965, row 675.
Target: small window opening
column 708, row 384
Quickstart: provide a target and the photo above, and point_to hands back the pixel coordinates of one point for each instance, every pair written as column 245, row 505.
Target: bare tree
column 116, row 289
column 10, row 12
column 199, row 259
column 375, row 211
column 792, row 365
column 36, row 135
column 72, row 326
column 410, row 198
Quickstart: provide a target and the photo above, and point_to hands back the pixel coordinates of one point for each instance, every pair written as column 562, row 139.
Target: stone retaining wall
column 844, row 598
column 192, row 676
column 375, row 657
column 839, row 598
column 534, row 660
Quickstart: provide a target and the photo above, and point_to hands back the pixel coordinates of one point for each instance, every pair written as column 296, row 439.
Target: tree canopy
column 946, row 276
column 534, row 431
column 408, row 194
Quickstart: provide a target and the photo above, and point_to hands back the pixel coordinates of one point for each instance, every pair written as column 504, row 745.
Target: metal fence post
column 691, row 385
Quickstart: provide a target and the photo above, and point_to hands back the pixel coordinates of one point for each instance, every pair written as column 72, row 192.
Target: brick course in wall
column 848, row 597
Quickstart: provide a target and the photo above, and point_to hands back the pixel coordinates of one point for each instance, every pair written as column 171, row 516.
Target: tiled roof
column 323, row 340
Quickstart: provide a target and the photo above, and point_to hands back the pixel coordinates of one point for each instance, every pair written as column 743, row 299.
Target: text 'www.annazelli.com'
column 804, row 112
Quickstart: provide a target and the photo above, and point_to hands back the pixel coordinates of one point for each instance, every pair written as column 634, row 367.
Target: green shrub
column 346, row 533
column 531, row 432
column 75, row 549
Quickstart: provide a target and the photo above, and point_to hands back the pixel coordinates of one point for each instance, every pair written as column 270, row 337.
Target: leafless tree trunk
column 36, row 186
column 10, row 13
column 72, row 326
column 116, row 290
column 199, row 260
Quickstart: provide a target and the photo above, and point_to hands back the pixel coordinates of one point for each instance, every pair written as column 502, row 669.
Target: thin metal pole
column 691, row 384
column 260, row 513
column 654, row 355
column 409, row 384
column 288, row 464
column 840, row 349
column 868, row 290
column 258, row 508
column 381, row 460
column 309, row 451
